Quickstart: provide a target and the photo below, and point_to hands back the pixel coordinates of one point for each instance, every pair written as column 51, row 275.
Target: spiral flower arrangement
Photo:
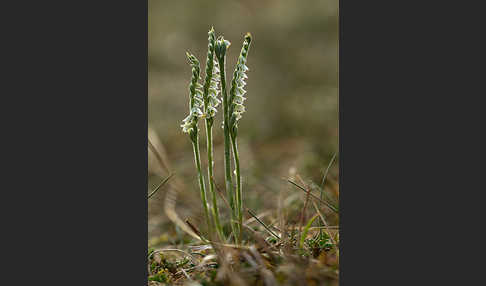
column 189, row 124
column 238, row 83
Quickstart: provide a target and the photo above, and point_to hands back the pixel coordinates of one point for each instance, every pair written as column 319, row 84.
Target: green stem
column 209, row 136
column 239, row 194
column 202, row 188
column 227, row 158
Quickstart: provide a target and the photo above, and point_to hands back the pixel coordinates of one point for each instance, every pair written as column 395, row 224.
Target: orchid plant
column 203, row 103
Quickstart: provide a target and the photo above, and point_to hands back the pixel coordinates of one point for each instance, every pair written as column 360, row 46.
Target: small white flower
column 239, row 99
column 214, row 101
column 241, row 83
column 187, row 124
column 239, row 108
column 196, row 111
column 242, row 75
column 240, row 91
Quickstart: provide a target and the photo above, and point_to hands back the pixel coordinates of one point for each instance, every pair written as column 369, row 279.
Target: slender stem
column 209, row 136
column 227, row 158
column 202, row 188
column 239, row 194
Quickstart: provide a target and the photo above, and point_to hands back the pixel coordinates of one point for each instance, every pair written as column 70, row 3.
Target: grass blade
column 160, row 185
column 306, row 229
column 302, row 215
column 325, row 173
column 323, row 182
column 327, row 229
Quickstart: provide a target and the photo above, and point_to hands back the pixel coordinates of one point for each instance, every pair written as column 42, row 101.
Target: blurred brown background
column 291, row 123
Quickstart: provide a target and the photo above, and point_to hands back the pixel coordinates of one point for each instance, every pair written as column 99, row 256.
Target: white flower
column 239, row 99
column 196, row 111
column 239, row 108
column 241, row 83
column 188, row 124
column 240, row 91
column 244, row 68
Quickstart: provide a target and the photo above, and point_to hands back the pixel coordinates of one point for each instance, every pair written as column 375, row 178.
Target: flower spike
column 212, row 79
column 236, row 99
column 189, row 124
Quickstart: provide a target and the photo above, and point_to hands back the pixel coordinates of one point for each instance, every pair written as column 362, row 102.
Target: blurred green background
column 291, row 123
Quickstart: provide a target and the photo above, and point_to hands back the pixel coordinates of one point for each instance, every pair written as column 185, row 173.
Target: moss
column 159, row 277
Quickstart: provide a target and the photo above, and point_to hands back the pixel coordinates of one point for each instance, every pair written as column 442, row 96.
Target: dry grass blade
column 327, row 171
column 159, row 158
column 218, row 190
column 327, row 229
column 185, row 274
column 195, row 229
column 169, row 207
column 160, row 185
column 262, row 223
column 302, row 214
column 331, row 207
column 261, row 215
column 171, row 196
